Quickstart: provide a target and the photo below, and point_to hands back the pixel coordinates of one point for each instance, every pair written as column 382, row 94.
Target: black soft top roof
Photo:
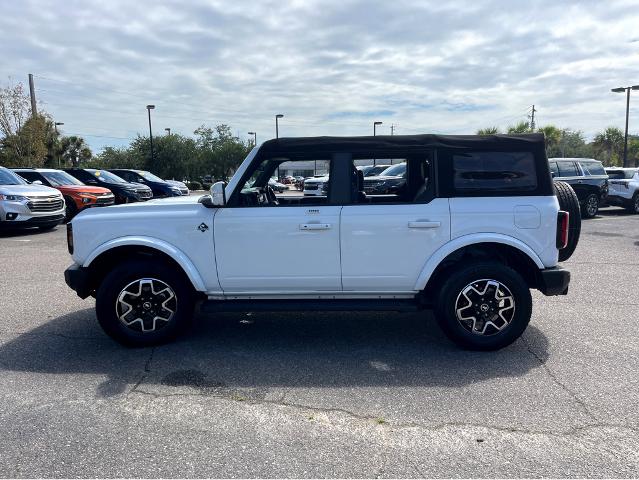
column 529, row 141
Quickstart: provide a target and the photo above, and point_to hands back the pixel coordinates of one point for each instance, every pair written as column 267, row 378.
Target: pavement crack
column 147, row 370
column 561, row 385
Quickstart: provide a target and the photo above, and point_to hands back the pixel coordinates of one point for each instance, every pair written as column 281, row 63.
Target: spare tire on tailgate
column 568, row 202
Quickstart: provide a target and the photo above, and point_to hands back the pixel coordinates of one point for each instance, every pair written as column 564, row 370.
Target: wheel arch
column 103, row 258
column 503, row 248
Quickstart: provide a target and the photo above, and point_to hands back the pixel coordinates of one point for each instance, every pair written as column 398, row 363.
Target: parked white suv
column 24, row 205
column 477, row 225
column 623, row 190
column 316, row 186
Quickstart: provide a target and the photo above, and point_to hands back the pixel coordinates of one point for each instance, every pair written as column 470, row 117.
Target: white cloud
column 330, row 67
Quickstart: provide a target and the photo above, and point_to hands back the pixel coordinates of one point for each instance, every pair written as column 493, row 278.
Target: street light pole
column 625, row 141
column 254, row 137
column 168, row 130
column 375, row 134
column 148, row 109
column 277, row 130
column 55, row 126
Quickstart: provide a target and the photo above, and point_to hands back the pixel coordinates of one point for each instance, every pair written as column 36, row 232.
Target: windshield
column 58, row 179
column 149, row 176
column 7, row 177
column 394, row 170
column 621, row 174
column 106, row 177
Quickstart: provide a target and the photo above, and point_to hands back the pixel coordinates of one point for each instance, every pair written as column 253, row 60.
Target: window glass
column 7, row 177
column 105, row 176
column 567, row 169
column 621, row 174
column 593, row 168
column 494, row 171
column 28, row 176
column 405, row 180
column 59, row 178
column 282, row 182
column 554, row 169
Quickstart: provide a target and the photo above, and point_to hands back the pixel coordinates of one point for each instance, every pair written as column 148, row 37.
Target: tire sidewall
column 457, row 281
column 586, row 213
column 122, row 276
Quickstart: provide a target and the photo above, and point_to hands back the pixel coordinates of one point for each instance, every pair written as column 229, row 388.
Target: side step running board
column 390, row 305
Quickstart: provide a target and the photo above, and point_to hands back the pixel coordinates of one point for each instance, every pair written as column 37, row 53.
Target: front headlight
column 14, row 198
column 176, row 190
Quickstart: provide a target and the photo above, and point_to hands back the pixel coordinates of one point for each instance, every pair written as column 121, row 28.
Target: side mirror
column 553, row 174
column 37, row 182
column 218, row 194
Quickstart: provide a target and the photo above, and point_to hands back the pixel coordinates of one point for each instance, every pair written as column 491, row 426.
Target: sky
column 330, row 67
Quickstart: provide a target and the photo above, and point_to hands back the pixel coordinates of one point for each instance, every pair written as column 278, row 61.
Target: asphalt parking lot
column 322, row 394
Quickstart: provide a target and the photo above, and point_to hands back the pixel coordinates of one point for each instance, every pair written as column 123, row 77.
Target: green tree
column 633, row 150
column 220, row 153
column 488, row 131
column 74, row 151
column 521, row 127
column 608, row 146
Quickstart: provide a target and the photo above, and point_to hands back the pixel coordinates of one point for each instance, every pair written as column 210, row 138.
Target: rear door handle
column 424, row 224
column 315, row 226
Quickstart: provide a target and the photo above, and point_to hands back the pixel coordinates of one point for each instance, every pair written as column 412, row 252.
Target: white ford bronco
column 476, row 224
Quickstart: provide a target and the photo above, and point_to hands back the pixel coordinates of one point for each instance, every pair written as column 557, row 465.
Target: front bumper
column 77, row 278
column 40, row 221
column 554, row 281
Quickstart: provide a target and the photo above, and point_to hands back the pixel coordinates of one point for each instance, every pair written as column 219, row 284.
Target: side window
column 553, row 169
column 475, row 172
column 406, row 179
column 593, row 168
column 567, row 169
column 285, row 182
column 30, row 176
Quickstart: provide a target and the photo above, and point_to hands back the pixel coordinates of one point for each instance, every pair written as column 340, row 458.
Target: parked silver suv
column 24, row 204
column 624, row 188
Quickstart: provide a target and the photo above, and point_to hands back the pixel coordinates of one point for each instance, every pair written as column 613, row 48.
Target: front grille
column 145, row 193
column 50, row 203
column 185, row 191
column 310, row 186
column 105, row 200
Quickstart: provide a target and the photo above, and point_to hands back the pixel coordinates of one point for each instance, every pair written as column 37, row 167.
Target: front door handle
column 315, row 226
column 424, row 224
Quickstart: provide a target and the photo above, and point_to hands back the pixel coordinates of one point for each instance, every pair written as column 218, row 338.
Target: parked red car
column 77, row 195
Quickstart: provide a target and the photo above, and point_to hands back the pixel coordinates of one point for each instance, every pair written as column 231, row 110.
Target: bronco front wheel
column 143, row 303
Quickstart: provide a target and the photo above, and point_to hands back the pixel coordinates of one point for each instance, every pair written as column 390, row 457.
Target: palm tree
column 488, row 131
column 75, row 150
column 609, row 144
column 521, row 127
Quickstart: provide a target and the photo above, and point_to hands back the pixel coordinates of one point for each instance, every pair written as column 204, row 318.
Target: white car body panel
column 169, row 225
column 624, row 189
column 262, row 249
column 534, row 219
column 385, row 246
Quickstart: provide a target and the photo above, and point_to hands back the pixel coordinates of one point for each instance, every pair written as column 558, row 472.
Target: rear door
column 387, row 239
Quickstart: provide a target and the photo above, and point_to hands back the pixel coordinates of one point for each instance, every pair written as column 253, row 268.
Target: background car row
column 45, row 197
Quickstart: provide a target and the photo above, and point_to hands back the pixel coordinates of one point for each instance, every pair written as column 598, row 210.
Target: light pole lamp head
column 59, row 123
column 279, row 115
column 150, row 107
column 377, row 123
column 635, row 87
column 618, row 90
column 250, row 133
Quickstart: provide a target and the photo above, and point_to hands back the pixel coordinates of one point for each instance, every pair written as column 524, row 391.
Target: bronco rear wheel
column 484, row 306
column 142, row 303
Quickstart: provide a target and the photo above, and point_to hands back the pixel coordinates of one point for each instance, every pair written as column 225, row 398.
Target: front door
column 267, row 242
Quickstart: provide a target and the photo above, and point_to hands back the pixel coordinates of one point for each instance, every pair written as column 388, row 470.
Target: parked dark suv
column 125, row 192
column 588, row 179
column 159, row 187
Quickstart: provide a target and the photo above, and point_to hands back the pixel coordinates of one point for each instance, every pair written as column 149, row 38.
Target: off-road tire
column 447, row 303
column 568, row 202
column 128, row 273
column 590, row 206
column 633, row 204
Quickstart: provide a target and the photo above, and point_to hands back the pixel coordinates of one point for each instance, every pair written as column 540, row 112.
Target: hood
column 28, row 190
column 317, row 180
column 176, row 183
column 381, row 178
column 144, row 208
column 83, row 188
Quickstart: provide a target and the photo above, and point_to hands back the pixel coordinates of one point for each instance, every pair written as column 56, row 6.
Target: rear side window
column 568, row 169
column 553, row 169
column 494, row 171
column 593, row 168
